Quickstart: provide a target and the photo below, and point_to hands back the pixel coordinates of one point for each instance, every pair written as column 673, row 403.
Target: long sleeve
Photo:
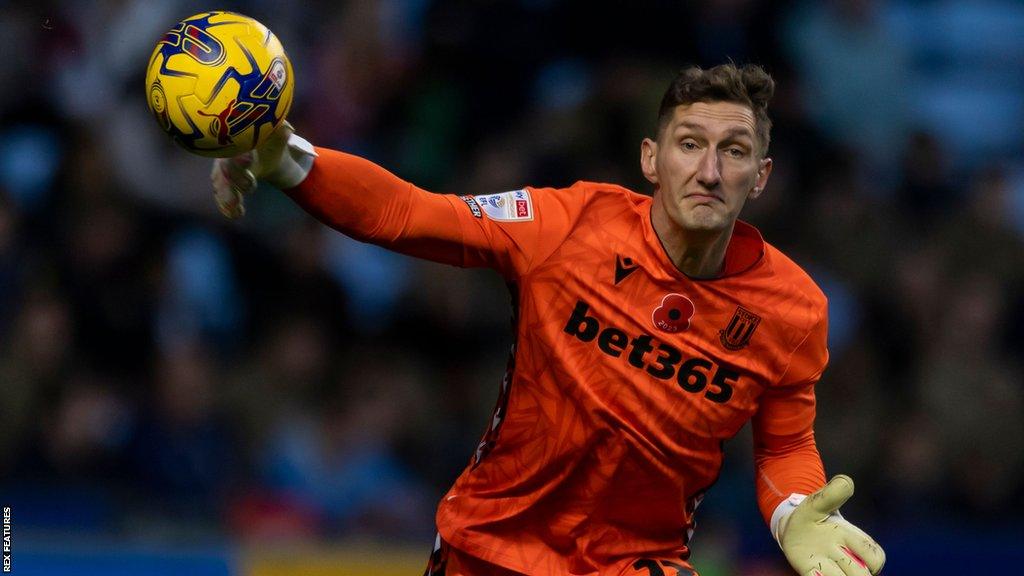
column 368, row 203
column 785, row 453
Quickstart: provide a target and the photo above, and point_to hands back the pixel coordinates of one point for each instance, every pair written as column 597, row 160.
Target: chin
column 705, row 220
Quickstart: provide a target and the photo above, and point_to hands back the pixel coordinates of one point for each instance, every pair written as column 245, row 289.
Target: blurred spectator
column 340, row 460
column 36, row 360
column 200, row 300
column 183, row 447
column 965, row 74
column 10, row 263
column 983, row 237
column 85, row 436
column 928, row 188
column 373, row 278
column 30, row 155
column 286, row 375
column 107, row 283
column 972, row 395
column 854, row 74
column 75, row 460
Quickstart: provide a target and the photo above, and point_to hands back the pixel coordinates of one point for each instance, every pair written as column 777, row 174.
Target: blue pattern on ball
column 258, row 95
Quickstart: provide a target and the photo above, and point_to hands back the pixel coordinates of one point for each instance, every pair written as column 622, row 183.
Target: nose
column 709, row 173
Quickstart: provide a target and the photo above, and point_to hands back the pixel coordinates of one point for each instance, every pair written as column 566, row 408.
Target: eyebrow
column 734, row 131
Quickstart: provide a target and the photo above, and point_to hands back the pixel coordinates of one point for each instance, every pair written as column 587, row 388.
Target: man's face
column 705, row 164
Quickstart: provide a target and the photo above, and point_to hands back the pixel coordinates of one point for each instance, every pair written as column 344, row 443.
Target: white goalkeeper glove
column 283, row 161
column 818, row 541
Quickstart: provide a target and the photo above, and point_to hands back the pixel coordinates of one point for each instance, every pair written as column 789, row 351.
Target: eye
column 689, row 145
column 735, row 152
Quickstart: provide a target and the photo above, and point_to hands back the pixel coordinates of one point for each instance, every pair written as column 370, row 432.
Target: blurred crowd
column 164, row 371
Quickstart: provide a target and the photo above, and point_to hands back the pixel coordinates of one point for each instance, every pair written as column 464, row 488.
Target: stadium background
column 182, row 394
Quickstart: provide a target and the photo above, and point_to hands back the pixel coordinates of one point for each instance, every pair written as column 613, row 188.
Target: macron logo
column 623, row 268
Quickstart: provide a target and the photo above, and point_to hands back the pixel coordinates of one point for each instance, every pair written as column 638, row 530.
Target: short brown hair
column 749, row 85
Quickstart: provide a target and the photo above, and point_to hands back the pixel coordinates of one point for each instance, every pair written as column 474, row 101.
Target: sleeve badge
column 513, row 206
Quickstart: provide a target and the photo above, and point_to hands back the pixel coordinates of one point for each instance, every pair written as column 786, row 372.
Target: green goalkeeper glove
column 818, row 541
column 283, row 161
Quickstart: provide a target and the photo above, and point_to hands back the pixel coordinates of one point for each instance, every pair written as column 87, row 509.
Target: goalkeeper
column 649, row 330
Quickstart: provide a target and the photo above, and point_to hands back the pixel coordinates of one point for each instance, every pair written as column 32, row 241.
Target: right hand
column 818, row 541
column 232, row 178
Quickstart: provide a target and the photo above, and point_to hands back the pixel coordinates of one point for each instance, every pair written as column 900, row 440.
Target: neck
column 697, row 253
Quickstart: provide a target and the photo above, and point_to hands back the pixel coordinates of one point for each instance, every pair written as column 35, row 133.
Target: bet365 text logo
column 659, row 359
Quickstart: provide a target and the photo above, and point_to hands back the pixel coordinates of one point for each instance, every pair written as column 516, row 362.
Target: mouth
column 701, row 197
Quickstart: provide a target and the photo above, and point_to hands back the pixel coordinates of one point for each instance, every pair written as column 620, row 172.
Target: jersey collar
column 746, row 249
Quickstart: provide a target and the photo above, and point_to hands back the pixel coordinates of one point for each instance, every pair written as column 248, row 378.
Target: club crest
column 737, row 334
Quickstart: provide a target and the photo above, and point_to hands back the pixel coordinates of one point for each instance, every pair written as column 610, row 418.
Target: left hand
column 283, row 161
column 818, row 541
column 231, row 178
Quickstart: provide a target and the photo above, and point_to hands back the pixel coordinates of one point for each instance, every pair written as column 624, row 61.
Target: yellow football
column 219, row 83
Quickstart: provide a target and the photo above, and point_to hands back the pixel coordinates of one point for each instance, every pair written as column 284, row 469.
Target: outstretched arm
column 347, row 193
column 368, row 203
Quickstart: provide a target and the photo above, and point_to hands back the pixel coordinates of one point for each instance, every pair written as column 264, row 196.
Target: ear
column 763, row 171
column 648, row 160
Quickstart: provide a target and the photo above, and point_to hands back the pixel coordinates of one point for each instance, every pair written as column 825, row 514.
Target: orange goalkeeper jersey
column 626, row 376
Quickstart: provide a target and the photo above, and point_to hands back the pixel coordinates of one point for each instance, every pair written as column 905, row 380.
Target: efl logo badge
column 737, row 334
column 514, row 206
column 674, row 314
column 272, row 83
